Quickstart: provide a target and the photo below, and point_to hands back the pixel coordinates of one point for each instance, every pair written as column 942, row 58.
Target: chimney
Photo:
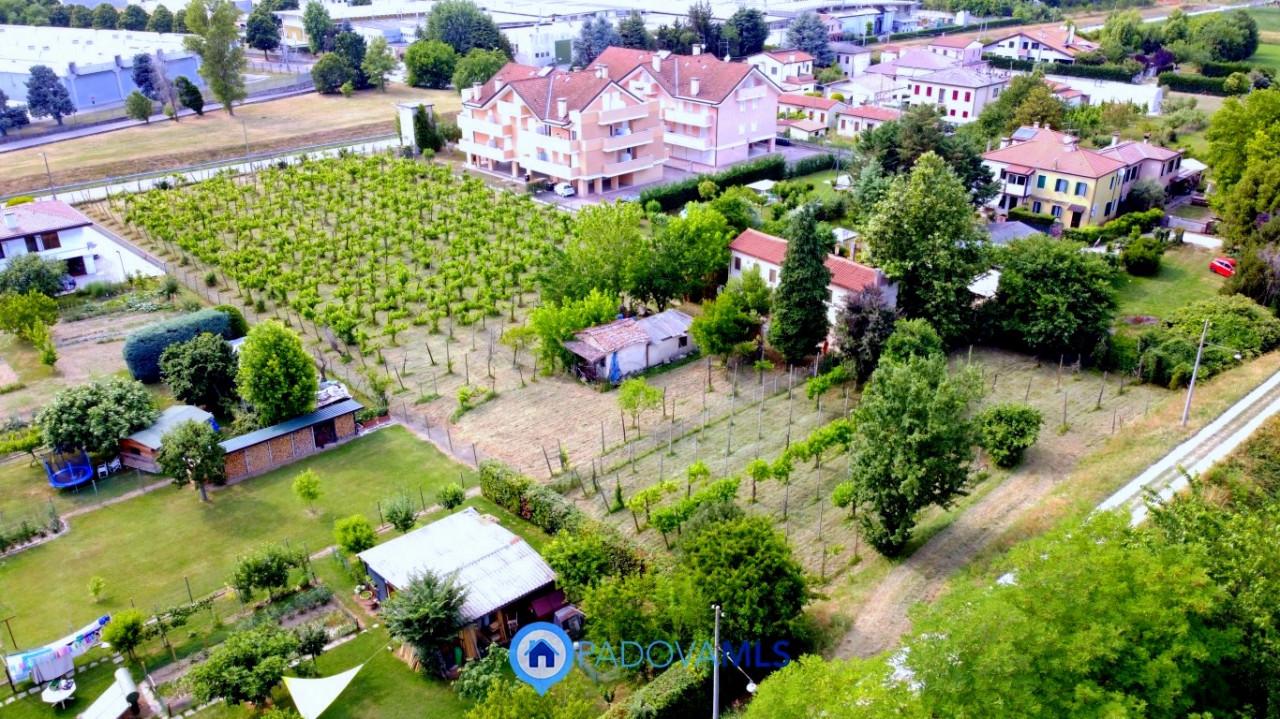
column 694, row 86
column 562, row 106
column 10, row 219
column 1071, row 35
column 727, row 57
column 602, row 71
column 1069, row 144
column 656, row 61
column 1036, row 124
column 475, row 91
column 697, row 48
column 1146, row 138
column 791, row 58
column 1115, row 139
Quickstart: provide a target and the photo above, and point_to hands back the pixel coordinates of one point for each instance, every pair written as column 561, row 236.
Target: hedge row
column 944, row 30
column 1198, row 84
column 1037, row 219
column 809, row 165
column 142, row 349
column 676, row 194
column 1121, row 226
column 1223, row 69
column 1118, row 73
column 680, row 691
column 541, row 506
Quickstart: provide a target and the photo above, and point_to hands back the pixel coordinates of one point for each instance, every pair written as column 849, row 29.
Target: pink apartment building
column 577, row 127
column 713, row 113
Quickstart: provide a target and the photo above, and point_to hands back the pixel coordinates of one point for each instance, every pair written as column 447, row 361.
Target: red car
column 1225, row 266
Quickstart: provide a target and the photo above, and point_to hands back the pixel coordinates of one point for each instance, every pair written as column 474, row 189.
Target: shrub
column 677, row 194
column 583, row 558
column 1141, row 256
column 1038, row 219
column 399, row 513
column 678, row 692
column 143, row 348
column 238, row 326
column 518, row 494
column 1223, row 69
column 478, row 677
column 1007, row 430
column 1237, row 324
column 451, row 495
column 502, row 485
column 809, row 165
column 354, row 534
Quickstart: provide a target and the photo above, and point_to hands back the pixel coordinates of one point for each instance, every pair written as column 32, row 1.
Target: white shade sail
column 312, row 696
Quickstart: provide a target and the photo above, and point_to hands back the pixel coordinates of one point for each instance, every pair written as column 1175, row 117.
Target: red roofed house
column 1145, row 162
column 1047, row 172
column 853, row 121
column 1043, row 45
column 578, row 127
column 714, row 113
column 753, row 248
column 792, row 70
column 58, row 231
column 806, row 117
column 967, row 49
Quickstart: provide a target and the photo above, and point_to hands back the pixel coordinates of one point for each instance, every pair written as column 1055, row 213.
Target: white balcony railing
column 1022, row 190
column 530, row 140
column 752, row 93
column 684, row 117
column 480, row 125
column 622, row 142
column 561, row 171
column 622, row 114
column 501, row 151
column 612, row 169
column 689, row 141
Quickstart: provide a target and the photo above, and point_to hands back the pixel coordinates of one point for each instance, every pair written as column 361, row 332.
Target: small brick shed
column 278, row 445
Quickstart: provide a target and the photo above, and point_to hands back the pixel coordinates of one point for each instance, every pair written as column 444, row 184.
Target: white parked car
column 564, row 189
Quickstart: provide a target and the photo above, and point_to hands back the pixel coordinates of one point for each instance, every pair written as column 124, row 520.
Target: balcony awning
column 1018, row 170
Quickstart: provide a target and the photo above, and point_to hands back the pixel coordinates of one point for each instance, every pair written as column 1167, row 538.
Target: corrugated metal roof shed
column 170, row 418
column 293, row 425
column 666, row 324
column 495, row 566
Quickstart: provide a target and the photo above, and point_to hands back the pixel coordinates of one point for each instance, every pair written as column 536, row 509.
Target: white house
column 57, row 231
column 960, row 93
column 792, row 70
column 805, row 117
column 753, row 248
column 853, row 60
column 629, row 345
column 1042, row 45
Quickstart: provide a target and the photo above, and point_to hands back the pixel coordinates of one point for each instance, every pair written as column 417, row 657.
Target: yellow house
column 1047, row 172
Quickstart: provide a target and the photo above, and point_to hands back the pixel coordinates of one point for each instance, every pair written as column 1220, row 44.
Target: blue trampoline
column 67, row 469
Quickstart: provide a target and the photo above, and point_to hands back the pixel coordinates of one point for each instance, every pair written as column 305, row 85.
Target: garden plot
column 759, row 429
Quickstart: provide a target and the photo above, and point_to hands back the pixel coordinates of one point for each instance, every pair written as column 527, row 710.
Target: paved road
column 1209, row 446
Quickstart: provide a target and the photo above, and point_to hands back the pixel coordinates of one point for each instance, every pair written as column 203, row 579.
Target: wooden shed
column 138, row 450
column 289, row 441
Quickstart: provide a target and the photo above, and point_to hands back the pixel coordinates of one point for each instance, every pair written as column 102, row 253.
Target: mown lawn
column 1184, row 277
column 89, row 684
column 1268, row 55
column 145, row 546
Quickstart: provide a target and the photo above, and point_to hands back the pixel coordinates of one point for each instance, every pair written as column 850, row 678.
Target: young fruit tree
column 190, row 453
column 306, row 487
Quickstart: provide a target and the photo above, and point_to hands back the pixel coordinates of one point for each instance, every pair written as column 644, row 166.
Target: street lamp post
column 715, row 668
column 1195, row 369
column 49, row 175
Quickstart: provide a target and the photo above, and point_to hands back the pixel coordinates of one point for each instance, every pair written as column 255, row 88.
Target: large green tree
column 161, row 20
column 425, row 613
column 261, row 31
column 430, row 63
column 96, row 416
column 477, row 66
column 601, row 254
column 798, row 320
column 20, row 314
column 750, row 29
column 632, row 32
column 330, row 73
column 216, row 39
column 1233, row 127
column 46, row 95
column 134, row 18
column 276, row 374
column 912, row 449
column 201, row 371
column 841, row 689
column 379, row 62
column 924, row 236
column 1053, row 298
column 462, row 25
column 246, row 667
column 190, row 454
column 596, row 35
column 807, row 32
column 863, row 324
column 318, row 26
column 11, row 118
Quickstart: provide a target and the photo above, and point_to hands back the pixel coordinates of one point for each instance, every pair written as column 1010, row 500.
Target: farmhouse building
column 287, row 442
column 57, row 231
column 1043, row 45
column 508, row 584
column 139, row 449
column 791, row 70
column 630, row 345
column 853, row 121
column 753, row 248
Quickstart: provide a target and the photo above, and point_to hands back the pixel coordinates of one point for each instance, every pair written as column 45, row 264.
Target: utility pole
column 1191, row 387
column 715, row 668
column 49, row 175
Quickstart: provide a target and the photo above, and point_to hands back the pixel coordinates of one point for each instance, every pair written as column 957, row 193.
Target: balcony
column 622, row 142
column 622, row 114
column 689, row 141
column 548, row 167
column 612, row 169
column 533, row 141
column 682, row 117
column 752, row 93
column 480, row 125
column 1023, row 190
column 498, row 150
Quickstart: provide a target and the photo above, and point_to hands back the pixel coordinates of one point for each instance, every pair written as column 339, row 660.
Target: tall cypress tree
column 798, row 323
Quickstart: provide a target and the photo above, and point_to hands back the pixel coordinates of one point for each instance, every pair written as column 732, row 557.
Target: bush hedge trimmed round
column 143, row 348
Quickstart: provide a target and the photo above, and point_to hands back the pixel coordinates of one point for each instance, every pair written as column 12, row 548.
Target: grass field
column 272, row 125
column 1268, row 18
column 1184, row 277
column 145, row 546
column 1268, row 55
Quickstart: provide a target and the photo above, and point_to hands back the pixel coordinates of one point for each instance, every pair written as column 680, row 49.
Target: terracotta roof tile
column 1055, row 152
column 42, row 216
column 817, row 103
column 952, row 41
column 1131, row 152
column 716, row 78
column 1054, row 39
column 790, row 56
column 872, row 112
column 845, row 273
